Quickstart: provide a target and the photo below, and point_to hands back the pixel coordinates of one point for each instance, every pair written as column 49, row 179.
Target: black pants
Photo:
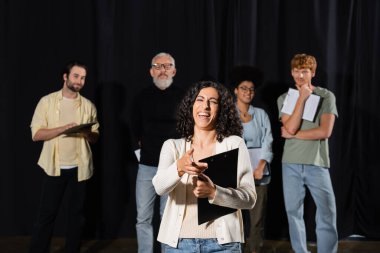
column 53, row 191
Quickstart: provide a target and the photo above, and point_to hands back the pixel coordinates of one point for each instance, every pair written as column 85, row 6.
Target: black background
column 118, row 38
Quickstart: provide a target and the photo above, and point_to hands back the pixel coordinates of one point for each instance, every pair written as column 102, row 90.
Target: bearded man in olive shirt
column 306, row 162
column 153, row 122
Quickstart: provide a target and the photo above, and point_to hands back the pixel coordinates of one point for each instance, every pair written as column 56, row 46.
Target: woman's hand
column 187, row 165
column 203, row 187
column 259, row 171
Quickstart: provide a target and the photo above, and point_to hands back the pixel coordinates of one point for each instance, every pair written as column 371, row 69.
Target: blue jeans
column 145, row 198
column 317, row 179
column 203, row 246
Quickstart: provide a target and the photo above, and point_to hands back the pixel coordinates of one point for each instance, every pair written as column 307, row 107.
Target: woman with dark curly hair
column 209, row 125
column 257, row 134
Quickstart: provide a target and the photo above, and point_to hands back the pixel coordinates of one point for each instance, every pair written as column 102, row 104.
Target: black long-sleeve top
column 154, row 120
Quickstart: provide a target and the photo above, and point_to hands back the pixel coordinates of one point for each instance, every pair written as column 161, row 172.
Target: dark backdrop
column 117, row 39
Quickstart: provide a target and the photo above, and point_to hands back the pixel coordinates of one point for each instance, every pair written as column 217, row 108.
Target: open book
column 311, row 105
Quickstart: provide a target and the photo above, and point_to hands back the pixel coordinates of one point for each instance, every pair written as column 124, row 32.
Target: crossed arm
column 323, row 131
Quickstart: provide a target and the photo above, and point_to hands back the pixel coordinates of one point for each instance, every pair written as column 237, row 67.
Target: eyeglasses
column 158, row 66
column 246, row 89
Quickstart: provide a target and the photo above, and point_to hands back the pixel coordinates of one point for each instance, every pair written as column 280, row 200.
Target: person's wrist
column 213, row 193
column 180, row 172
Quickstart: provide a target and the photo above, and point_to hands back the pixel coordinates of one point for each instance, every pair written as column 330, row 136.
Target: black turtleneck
column 154, row 120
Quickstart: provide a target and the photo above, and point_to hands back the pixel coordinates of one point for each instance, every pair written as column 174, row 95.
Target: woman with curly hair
column 209, row 125
column 257, row 134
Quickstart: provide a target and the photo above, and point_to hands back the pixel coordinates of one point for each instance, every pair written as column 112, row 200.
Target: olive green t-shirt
column 312, row 152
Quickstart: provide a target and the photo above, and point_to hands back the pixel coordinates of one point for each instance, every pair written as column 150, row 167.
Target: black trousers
column 53, row 191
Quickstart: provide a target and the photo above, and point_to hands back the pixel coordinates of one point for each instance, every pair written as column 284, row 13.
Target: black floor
column 20, row 245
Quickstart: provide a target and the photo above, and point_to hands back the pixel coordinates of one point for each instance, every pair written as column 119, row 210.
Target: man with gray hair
column 153, row 122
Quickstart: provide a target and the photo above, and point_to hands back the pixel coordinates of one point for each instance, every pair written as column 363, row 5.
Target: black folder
column 222, row 170
column 78, row 128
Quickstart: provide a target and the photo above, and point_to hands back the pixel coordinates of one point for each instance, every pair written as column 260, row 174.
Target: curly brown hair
column 301, row 61
column 227, row 121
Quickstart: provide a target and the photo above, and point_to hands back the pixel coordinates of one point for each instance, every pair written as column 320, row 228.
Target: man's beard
column 162, row 84
column 72, row 87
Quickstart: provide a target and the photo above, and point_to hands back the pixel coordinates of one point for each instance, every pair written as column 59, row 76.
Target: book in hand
column 310, row 108
column 222, row 170
column 78, row 128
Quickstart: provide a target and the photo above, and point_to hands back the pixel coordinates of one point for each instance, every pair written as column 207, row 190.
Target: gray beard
column 162, row 84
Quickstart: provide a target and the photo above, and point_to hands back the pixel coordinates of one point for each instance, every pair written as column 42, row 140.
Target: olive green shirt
column 311, row 152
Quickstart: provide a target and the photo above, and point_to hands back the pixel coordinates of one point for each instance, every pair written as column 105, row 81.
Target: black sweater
column 154, row 120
